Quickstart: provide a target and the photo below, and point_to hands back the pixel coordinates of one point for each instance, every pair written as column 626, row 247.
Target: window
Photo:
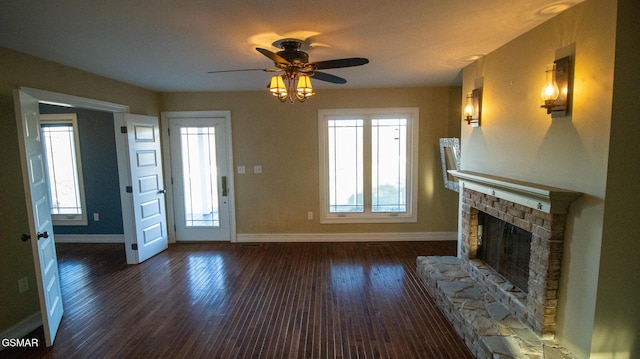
column 63, row 168
column 368, row 165
column 200, row 176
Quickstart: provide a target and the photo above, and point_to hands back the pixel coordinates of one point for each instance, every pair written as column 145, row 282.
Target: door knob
column 43, row 235
column 161, row 191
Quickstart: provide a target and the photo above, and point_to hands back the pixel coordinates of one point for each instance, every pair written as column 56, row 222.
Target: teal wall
column 100, row 171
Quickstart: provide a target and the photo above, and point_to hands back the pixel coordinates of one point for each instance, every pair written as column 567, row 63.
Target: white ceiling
column 170, row 45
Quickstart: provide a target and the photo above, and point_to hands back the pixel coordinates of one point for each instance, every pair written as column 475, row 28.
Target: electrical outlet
column 96, row 217
column 257, row 169
column 23, row 284
column 309, row 215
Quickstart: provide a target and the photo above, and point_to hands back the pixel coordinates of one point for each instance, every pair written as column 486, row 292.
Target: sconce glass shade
column 473, row 107
column 304, row 88
column 468, row 109
column 550, row 91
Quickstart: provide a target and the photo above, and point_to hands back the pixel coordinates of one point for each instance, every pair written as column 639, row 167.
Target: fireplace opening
column 506, row 248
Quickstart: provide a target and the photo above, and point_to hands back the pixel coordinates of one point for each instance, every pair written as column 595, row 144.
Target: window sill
column 368, row 219
column 68, row 222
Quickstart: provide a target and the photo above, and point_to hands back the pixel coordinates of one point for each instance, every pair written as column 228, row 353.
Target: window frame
column 368, row 216
column 80, row 219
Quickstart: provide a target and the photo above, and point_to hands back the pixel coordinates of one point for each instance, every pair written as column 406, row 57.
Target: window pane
column 200, row 176
column 59, row 148
column 389, row 165
column 345, row 165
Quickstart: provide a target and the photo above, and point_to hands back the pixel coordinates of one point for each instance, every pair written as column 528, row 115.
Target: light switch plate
column 241, row 170
column 257, row 169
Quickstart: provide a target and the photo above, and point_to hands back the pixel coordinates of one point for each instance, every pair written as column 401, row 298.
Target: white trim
column 89, row 238
column 348, row 237
column 22, row 328
column 74, row 101
column 412, row 115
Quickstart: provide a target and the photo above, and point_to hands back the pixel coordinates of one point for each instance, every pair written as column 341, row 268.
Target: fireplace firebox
column 506, row 248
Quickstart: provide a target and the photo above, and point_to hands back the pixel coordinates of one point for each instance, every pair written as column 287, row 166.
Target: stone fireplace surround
column 538, row 307
column 535, row 208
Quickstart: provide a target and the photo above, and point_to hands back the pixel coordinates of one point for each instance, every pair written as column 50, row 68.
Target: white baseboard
column 89, row 238
column 348, row 237
column 22, row 328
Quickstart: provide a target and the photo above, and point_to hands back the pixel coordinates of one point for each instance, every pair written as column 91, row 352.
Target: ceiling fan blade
column 273, row 56
column 334, row 64
column 323, row 76
column 240, row 70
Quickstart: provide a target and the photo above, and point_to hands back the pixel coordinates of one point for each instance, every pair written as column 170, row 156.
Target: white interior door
column 147, row 186
column 39, row 213
column 201, row 178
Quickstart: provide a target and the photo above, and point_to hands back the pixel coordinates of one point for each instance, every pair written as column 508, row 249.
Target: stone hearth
column 487, row 327
column 538, row 209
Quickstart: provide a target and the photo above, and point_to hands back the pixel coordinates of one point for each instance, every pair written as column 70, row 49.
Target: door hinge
column 123, row 129
column 174, row 228
column 134, row 246
column 169, row 131
column 129, row 189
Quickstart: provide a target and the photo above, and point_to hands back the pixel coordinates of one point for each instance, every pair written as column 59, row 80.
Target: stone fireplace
column 533, row 209
column 537, row 308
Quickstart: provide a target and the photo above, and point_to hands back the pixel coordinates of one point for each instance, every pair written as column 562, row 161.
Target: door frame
column 165, row 118
column 118, row 110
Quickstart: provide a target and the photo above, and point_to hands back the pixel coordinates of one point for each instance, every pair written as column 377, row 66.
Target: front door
column 39, row 213
column 201, row 182
column 147, row 186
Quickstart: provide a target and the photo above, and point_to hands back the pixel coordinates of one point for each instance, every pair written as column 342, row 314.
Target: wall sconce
column 473, row 107
column 556, row 93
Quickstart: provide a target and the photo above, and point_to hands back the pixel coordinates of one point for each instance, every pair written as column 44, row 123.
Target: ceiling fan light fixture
column 304, row 87
column 277, row 87
column 295, row 81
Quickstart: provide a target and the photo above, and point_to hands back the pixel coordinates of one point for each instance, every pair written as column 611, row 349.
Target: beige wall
column 519, row 140
column 18, row 69
column 283, row 138
column 280, row 137
column 616, row 331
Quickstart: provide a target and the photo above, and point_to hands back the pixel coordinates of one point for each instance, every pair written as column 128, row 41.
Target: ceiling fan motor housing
column 291, row 52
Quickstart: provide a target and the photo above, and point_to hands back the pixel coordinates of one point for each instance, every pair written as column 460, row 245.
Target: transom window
column 63, row 168
column 368, row 165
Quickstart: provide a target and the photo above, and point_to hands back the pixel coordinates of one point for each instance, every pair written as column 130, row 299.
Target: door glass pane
column 200, row 176
column 345, row 165
column 389, row 165
column 59, row 149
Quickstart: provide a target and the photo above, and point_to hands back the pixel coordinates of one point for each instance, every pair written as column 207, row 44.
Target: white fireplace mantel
column 543, row 198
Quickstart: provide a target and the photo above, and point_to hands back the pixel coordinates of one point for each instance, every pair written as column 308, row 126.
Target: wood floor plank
column 265, row 300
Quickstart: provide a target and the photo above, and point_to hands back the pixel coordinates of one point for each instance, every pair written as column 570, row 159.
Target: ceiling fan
column 296, row 70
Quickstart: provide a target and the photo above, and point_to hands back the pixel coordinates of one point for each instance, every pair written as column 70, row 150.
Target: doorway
column 143, row 211
column 124, row 145
column 200, row 163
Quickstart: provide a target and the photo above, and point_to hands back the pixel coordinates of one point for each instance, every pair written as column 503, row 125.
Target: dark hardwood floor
column 269, row 300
